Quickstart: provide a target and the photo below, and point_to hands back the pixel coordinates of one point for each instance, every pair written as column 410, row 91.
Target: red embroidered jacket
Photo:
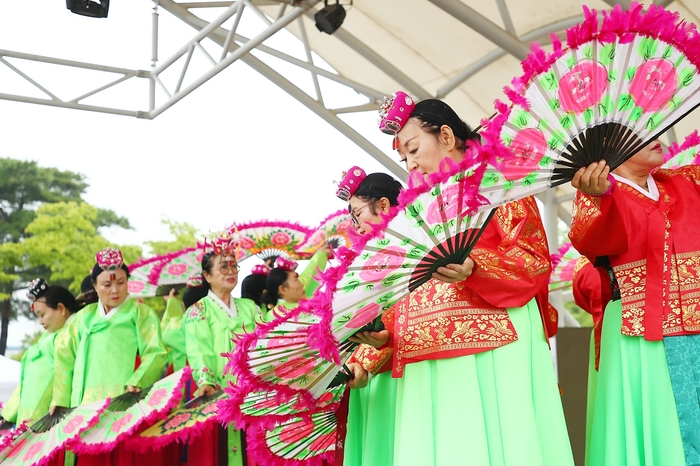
column 442, row 320
column 653, row 247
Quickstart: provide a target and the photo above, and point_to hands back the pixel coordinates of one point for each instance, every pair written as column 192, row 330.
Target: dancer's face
column 112, row 292
column 223, row 275
column 49, row 318
column 365, row 214
column 648, row 158
column 423, row 151
column 292, row 290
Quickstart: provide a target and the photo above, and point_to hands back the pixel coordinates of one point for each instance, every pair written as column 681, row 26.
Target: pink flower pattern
column 177, row 269
column 582, row 86
column 528, row 148
column 177, row 421
column 157, row 397
column 33, row 450
column 654, row 84
column 382, row 263
column 121, row 422
column 280, row 239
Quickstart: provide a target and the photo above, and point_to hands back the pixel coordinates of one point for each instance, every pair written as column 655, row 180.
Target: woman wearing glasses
column 209, row 325
column 370, row 429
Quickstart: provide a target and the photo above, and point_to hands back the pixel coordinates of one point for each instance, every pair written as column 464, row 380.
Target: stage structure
column 460, row 51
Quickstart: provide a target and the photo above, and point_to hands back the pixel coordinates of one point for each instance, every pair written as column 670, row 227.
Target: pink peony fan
column 126, row 413
column 687, row 153
column 276, row 358
column 139, row 286
column 336, row 229
column 297, row 441
column 267, row 239
column 436, row 223
column 265, row 408
column 181, row 425
column 44, row 439
column 617, row 86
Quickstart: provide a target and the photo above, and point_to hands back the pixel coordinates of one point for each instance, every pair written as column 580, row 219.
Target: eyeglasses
column 354, row 213
column 229, row 267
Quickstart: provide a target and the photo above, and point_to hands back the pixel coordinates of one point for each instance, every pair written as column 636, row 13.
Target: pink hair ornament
column 260, row 269
column 286, row 264
column 351, row 181
column 394, row 114
column 225, row 243
column 110, row 260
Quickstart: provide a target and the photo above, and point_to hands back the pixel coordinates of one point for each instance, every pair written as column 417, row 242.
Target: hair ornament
column 351, row 181
column 395, row 112
column 225, row 243
column 286, row 264
column 195, row 281
column 109, row 260
column 260, row 269
column 36, row 289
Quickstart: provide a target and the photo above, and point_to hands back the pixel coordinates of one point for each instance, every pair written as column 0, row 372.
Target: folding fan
column 687, row 153
column 264, row 407
column 299, row 441
column 139, row 272
column 273, row 238
column 56, row 431
column 435, row 225
column 126, row 413
column 616, row 87
column 563, row 265
column 181, row 425
column 277, row 358
column 336, row 229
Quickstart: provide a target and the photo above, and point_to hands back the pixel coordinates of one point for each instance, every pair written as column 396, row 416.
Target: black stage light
column 94, row 9
column 330, row 18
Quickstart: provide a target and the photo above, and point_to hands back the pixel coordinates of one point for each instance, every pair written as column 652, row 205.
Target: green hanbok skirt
column 370, row 434
column 634, row 417
column 497, row 408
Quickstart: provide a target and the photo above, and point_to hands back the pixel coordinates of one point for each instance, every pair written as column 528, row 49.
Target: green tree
column 64, row 238
column 24, row 187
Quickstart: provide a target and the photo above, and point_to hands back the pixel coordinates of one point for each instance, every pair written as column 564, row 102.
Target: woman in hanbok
column 96, row 353
column 285, row 287
column 210, row 325
column 110, row 347
column 54, row 306
column 370, row 429
column 643, row 220
column 481, row 388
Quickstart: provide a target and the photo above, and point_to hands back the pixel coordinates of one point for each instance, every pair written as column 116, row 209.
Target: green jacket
column 209, row 326
column 95, row 355
column 32, row 397
column 171, row 326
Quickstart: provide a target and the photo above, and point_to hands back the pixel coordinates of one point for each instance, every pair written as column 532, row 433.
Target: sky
column 237, row 149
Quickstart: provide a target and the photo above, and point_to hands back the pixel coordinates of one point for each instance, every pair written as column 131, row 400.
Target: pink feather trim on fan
column 154, row 416
column 257, row 446
column 693, row 139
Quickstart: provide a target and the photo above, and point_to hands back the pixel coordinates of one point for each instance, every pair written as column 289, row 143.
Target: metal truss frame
column 234, row 46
